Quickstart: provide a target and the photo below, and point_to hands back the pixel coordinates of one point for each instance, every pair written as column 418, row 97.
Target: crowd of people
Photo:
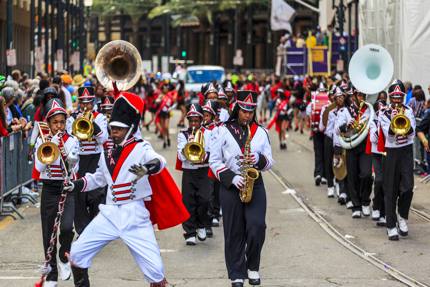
column 223, row 135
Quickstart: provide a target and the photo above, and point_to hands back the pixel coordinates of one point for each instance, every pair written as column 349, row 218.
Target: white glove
column 139, row 170
column 254, row 157
column 72, row 158
column 69, row 186
column 55, row 140
column 238, row 181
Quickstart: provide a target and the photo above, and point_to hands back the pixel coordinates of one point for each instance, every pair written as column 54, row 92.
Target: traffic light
column 183, row 54
column 75, row 43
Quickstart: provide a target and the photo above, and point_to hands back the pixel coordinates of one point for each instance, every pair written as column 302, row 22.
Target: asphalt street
column 297, row 251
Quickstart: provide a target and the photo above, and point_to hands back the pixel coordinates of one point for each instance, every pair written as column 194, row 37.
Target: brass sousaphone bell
column 120, row 62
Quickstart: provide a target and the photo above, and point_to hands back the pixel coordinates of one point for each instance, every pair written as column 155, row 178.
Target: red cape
column 166, row 207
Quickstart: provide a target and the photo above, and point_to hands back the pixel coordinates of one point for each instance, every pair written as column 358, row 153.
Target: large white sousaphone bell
column 371, row 69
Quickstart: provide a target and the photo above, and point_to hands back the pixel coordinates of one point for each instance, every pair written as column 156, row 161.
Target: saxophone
column 249, row 173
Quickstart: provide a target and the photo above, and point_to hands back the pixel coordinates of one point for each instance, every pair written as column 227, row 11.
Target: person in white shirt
column 399, row 163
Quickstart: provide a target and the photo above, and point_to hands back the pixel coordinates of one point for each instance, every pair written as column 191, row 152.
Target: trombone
column 83, row 127
column 47, row 152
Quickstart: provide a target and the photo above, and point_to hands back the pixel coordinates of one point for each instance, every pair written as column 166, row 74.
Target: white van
column 196, row 76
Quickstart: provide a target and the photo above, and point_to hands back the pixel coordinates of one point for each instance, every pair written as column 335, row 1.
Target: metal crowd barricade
column 15, row 172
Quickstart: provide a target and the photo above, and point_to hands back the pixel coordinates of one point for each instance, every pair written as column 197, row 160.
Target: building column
column 249, row 40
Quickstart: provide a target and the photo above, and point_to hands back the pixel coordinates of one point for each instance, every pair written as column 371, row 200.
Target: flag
column 281, row 15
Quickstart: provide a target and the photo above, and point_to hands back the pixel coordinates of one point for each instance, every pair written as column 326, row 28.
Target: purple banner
column 319, row 61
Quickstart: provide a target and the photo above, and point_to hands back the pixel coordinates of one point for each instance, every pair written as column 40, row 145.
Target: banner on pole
column 11, row 57
column 319, row 64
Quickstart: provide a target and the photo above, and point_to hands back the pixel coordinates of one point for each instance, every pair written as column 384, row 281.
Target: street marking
column 6, row 222
column 347, row 236
column 168, row 250
column 17, row 278
column 292, row 210
column 289, row 191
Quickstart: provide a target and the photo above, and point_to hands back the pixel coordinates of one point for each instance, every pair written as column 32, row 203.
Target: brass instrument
column 120, row 62
column 47, row 152
column 194, row 150
column 83, row 127
column 359, row 130
column 249, row 173
column 339, row 169
column 400, row 124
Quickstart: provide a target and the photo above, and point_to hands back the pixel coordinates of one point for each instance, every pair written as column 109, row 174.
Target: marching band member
column 224, row 113
column 326, row 126
column 211, row 92
column 210, row 123
column 281, row 120
column 86, row 204
column 231, row 94
column 140, row 191
column 106, row 108
column 52, row 176
column 244, row 223
column 359, row 164
column 399, row 163
column 334, row 156
column 378, row 207
column 196, row 188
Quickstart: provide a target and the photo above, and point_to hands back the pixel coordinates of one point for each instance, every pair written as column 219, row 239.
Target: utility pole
column 9, row 34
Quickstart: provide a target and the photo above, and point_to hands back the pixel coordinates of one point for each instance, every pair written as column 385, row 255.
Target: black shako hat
column 127, row 111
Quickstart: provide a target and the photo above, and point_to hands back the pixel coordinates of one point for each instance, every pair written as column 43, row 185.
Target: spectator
column 408, row 88
column 417, row 102
column 423, row 133
column 3, row 131
column 382, row 96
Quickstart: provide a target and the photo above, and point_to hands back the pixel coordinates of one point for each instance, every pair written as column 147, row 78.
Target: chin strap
column 127, row 135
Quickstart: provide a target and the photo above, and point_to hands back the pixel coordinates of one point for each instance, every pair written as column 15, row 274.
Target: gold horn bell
column 194, row 150
column 400, row 124
column 120, row 62
column 83, row 127
column 48, row 152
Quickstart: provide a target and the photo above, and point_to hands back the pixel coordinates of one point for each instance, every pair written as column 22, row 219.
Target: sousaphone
column 120, row 62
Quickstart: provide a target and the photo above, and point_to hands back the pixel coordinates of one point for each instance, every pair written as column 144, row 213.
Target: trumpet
column 83, row 127
column 400, row 124
column 194, row 150
column 47, row 152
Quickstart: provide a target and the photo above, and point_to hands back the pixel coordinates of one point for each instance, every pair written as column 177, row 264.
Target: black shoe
column 164, row 144
column 80, row 277
column 341, row 200
column 393, row 238
column 403, row 233
column 301, row 131
column 296, row 129
column 168, row 142
column 254, row 282
column 318, row 180
column 209, row 232
column 237, row 284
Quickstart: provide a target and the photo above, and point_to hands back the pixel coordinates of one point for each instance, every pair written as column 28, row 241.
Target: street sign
column 11, row 57
column 238, row 59
column 60, row 61
column 154, row 63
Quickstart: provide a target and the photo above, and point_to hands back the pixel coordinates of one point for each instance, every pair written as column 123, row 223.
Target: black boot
column 80, row 277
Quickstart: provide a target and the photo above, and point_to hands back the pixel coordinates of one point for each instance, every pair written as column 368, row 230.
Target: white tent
column 403, row 28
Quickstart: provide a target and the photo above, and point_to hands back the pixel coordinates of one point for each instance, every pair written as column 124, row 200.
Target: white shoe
column 50, row 284
column 190, row 241
column 323, row 180
column 65, row 270
column 201, row 234
column 381, row 222
column 366, row 210
column 403, row 226
column 356, row 214
column 330, row 192
column 349, row 205
column 392, row 234
column 215, row 222
column 254, row 278
column 376, row 214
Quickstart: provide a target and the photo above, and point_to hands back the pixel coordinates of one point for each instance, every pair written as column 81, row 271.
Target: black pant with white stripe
column 359, row 166
column 318, row 139
column 87, row 203
column 328, row 160
column 196, row 196
column 378, row 190
column 398, row 183
column 51, row 194
column 244, row 229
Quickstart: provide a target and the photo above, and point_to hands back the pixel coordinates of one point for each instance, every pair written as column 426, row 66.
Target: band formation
column 102, row 181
